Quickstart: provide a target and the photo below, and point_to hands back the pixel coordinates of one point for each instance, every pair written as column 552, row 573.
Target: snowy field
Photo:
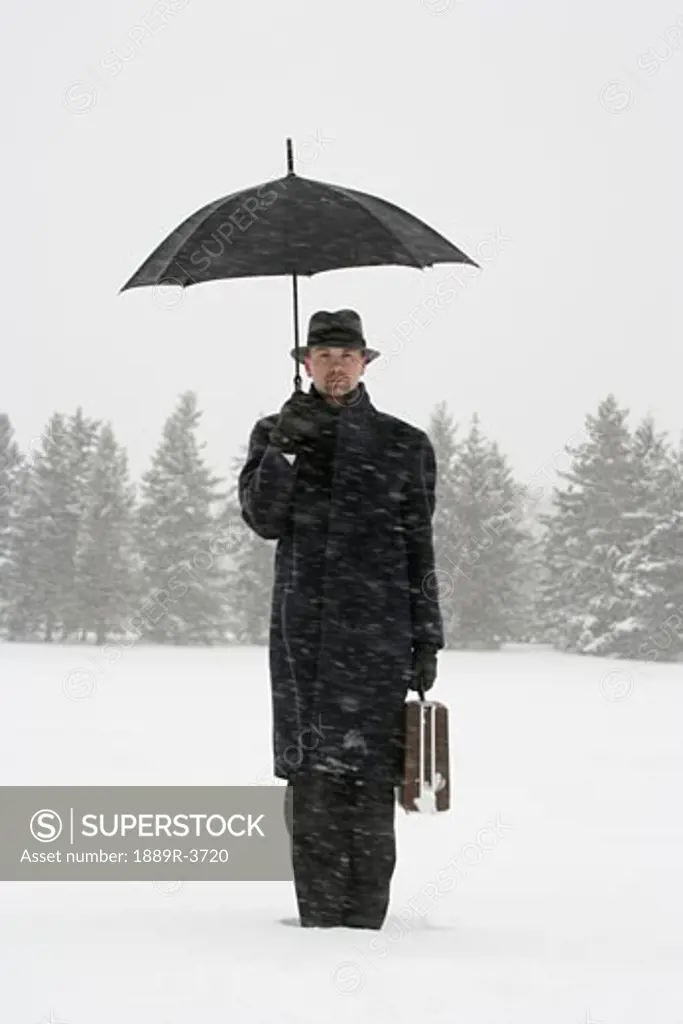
column 564, row 844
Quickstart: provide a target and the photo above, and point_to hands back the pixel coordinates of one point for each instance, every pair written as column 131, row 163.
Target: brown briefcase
column 426, row 775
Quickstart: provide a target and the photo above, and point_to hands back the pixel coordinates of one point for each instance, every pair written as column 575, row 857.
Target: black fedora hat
column 342, row 328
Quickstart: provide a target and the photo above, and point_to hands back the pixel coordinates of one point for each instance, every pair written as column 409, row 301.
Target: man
column 348, row 493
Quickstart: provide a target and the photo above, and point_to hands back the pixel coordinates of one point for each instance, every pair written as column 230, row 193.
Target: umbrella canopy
column 292, row 226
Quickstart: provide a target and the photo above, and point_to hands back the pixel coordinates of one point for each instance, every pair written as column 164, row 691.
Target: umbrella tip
column 290, row 157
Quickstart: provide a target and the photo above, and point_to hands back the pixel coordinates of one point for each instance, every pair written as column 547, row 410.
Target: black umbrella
column 294, row 226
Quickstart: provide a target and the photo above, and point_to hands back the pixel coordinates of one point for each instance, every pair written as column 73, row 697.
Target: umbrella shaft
column 295, row 300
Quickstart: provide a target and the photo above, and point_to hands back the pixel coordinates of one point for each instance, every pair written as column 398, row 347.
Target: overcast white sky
column 498, row 123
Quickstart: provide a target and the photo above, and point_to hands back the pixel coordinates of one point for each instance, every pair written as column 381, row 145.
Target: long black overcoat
column 354, row 585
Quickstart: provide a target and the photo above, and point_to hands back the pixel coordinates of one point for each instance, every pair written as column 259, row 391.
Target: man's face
column 335, row 370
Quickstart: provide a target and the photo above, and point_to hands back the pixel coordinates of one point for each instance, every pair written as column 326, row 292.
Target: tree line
column 591, row 564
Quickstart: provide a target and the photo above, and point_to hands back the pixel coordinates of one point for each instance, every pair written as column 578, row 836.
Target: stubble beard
column 337, row 386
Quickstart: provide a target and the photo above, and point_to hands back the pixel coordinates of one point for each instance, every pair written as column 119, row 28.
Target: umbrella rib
column 211, row 208
column 359, row 199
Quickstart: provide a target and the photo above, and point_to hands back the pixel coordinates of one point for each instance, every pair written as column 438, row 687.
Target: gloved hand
column 296, row 424
column 424, row 667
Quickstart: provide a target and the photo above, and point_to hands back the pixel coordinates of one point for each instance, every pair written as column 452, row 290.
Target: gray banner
column 141, row 833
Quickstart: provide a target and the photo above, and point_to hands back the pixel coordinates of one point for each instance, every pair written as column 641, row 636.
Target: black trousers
column 343, row 849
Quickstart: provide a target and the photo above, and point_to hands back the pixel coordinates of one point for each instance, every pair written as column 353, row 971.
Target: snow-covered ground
column 564, row 851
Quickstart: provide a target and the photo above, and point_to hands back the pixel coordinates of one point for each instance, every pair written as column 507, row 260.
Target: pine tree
column 44, row 539
column 442, row 433
column 596, row 519
column 106, row 559
column 82, row 434
column 487, row 598
column 640, row 516
column 526, row 581
column 25, row 604
column 177, row 529
column 9, row 469
column 657, row 561
column 563, row 593
column 250, row 574
column 10, row 459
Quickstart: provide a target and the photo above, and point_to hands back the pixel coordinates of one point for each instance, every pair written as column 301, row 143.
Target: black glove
column 424, row 667
column 296, row 425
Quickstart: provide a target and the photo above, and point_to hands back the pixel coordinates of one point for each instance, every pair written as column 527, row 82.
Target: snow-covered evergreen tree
column 9, row 470
column 656, row 563
column 44, row 538
column 106, row 557
column 9, row 479
column 82, row 434
column 250, row 574
column 563, row 593
column 25, row 605
column 487, row 598
column 183, row 581
column 526, row 581
column 597, row 518
column 443, row 435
